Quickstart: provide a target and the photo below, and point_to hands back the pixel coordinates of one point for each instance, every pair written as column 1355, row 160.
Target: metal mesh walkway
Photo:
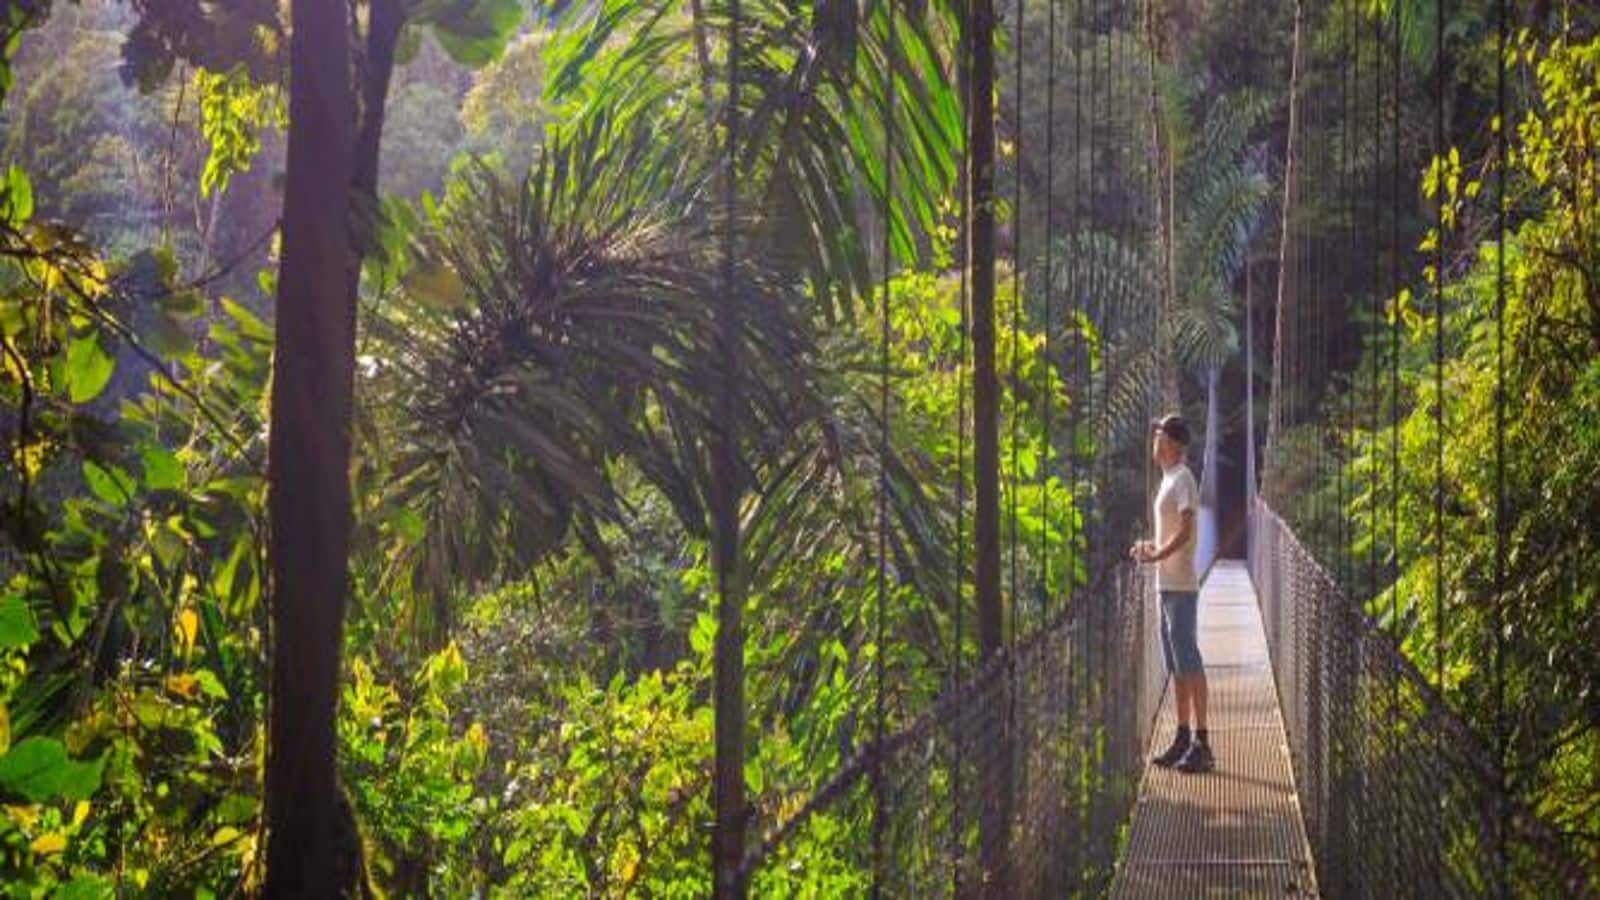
column 1235, row 831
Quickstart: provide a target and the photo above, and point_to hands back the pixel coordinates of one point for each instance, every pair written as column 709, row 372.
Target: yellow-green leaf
column 47, row 844
column 89, row 369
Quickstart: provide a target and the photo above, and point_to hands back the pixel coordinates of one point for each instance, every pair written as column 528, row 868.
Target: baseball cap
column 1173, row 427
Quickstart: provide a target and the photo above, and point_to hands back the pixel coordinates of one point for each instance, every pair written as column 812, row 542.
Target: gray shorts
column 1180, row 641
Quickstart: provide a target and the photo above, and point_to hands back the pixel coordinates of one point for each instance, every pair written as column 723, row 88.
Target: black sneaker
column 1198, row 759
column 1180, row 746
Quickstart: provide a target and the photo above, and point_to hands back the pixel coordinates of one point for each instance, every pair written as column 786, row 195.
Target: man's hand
column 1141, row 551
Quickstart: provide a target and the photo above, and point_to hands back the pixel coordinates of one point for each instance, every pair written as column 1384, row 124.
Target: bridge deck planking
column 1236, row 831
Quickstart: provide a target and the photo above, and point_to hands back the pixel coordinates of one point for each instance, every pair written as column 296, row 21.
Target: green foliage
column 38, row 769
column 814, row 105
column 473, row 32
column 411, row 774
column 526, row 693
column 1547, row 384
column 233, row 112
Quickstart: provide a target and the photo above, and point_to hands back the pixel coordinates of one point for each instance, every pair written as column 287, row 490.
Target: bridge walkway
column 1236, row 831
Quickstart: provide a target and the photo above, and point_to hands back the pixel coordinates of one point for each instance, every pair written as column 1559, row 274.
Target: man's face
column 1163, row 450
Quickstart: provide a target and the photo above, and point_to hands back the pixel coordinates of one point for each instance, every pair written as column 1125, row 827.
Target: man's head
column 1170, row 437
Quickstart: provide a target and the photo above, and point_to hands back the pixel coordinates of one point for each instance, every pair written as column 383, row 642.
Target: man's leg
column 1186, row 647
column 1181, row 684
column 1181, row 740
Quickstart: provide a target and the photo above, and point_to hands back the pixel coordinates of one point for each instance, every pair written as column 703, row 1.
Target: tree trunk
column 1275, row 398
column 308, row 850
column 1161, row 168
column 995, row 820
column 727, row 661
column 384, row 24
column 985, row 383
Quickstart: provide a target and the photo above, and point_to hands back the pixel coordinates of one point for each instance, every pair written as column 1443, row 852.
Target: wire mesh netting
column 1400, row 796
column 1016, row 783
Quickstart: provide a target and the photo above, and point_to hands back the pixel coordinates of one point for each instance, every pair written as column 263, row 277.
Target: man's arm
column 1185, row 529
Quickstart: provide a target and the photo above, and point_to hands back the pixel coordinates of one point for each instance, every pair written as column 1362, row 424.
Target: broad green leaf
column 472, row 32
column 210, row 685
column 109, row 483
column 16, row 196
column 89, row 369
column 250, row 325
column 17, row 627
column 161, row 468
column 39, row 769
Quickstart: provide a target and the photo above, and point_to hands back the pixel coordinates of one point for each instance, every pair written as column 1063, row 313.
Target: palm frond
column 813, row 96
column 582, row 331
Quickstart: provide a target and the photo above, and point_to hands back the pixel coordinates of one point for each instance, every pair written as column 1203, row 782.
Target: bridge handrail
column 1378, row 824
column 1058, row 648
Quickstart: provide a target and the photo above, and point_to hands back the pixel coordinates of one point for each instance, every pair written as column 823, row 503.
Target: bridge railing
column 1018, row 782
column 1401, row 798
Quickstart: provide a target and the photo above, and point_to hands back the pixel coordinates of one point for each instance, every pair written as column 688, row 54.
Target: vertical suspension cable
column 1395, row 289
column 1328, row 460
column 1099, row 80
column 1372, row 353
column 1048, row 368
column 1095, row 613
column 1440, row 547
column 1394, row 407
column 1322, row 427
column 1440, row 541
column 1502, row 154
column 1343, row 210
column 1092, row 291
column 1074, row 290
column 1349, row 336
column 1082, row 469
column 1347, row 208
column 1014, row 606
column 1152, row 181
column 958, row 600
column 879, row 786
column 1375, row 310
column 1305, row 271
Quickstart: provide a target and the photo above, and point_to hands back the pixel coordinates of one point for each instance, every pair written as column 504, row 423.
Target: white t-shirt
column 1178, row 494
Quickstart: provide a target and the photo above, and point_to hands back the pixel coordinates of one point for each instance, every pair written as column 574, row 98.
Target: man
column 1172, row 552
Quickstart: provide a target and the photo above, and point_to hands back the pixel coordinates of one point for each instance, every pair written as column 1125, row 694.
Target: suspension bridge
column 1341, row 769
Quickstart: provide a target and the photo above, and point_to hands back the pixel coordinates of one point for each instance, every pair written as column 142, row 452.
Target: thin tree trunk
column 985, row 383
column 727, row 661
column 702, row 52
column 1161, row 168
column 995, row 820
column 1275, row 398
column 308, row 852
column 384, row 23
column 208, row 232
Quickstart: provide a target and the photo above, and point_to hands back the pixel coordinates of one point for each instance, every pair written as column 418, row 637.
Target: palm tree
column 553, row 324
column 586, row 326
column 807, row 116
column 1221, row 195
